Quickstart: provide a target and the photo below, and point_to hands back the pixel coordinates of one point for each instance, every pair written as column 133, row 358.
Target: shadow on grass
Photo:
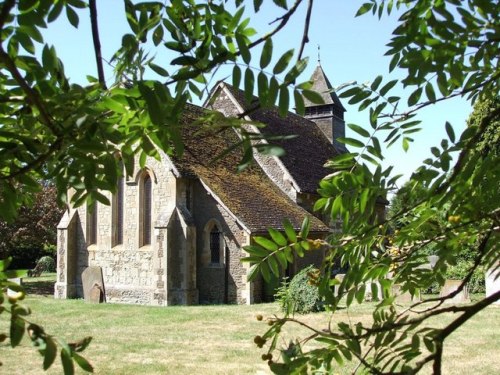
column 41, row 286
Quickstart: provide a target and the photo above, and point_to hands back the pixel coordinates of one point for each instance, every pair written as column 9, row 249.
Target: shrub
column 46, row 264
column 458, row 272
column 461, row 269
column 298, row 295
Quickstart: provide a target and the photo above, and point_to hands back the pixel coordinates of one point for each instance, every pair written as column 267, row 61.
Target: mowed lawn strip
column 129, row 339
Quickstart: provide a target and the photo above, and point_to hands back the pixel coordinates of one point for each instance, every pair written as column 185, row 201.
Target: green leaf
column 249, row 85
column 236, row 76
column 267, row 53
column 358, row 129
column 360, row 293
column 67, row 362
column 17, row 327
column 376, row 82
column 264, row 270
column 363, row 199
column 158, row 70
column 351, row 142
column 313, row 96
column 429, row 91
column 284, row 101
column 253, row 272
column 82, row 362
column 283, row 62
column 406, row 144
column 257, row 4
column 389, row 85
column 72, row 16
column 304, row 229
column 266, row 243
column 277, row 237
column 366, row 7
column 243, row 46
column 289, row 231
column 415, row 97
column 4, row 263
column 153, row 104
column 299, row 102
column 336, row 355
column 273, row 265
column 50, row 353
column 450, row 132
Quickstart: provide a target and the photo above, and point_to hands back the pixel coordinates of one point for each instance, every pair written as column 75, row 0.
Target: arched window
column 146, row 204
column 117, row 218
column 92, row 224
column 215, row 245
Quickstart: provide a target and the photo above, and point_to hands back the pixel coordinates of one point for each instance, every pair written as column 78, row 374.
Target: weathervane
column 319, row 55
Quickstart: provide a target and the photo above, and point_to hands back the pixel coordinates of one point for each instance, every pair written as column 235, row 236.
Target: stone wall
column 131, row 273
column 211, row 278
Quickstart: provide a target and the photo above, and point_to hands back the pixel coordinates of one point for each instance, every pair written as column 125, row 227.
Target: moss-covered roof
column 306, row 154
column 250, row 195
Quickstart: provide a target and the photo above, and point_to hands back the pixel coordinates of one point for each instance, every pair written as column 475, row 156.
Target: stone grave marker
column 433, row 260
column 451, row 286
column 403, row 297
column 93, row 285
column 492, row 281
column 17, row 280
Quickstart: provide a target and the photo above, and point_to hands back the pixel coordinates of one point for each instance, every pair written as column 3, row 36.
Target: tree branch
column 4, row 13
column 97, row 42
column 32, row 95
column 305, row 34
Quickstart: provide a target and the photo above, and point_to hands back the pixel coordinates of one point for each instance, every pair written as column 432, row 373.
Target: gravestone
column 93, row 285
column 96, row 294
column 452, row 285
column 17, row 280
column 433, row 260
column 492, row 282
column 403, row 297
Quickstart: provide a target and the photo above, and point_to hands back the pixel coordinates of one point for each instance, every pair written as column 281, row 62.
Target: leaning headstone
column 451, row 286
column 492, row 282
column 92, row 277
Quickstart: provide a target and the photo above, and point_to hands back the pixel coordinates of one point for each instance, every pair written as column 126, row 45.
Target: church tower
column 330, row 115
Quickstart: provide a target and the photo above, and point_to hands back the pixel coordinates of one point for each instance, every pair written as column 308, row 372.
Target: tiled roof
column 250, row 195
column 322, row 85
column 306, row 154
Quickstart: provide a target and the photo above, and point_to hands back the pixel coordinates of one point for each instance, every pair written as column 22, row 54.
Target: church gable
column 303, row 164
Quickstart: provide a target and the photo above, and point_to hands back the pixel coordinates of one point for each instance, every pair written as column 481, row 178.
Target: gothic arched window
column 92, row 224
column 146, row 210
column 117, row 218
column 215, row 245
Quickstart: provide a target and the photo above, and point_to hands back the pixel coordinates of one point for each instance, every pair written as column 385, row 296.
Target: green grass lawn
column 204, row 339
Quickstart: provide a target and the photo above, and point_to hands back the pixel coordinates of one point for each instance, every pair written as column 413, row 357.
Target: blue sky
column 351, row 49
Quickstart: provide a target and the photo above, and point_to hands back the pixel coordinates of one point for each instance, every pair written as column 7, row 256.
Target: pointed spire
column 322, row 85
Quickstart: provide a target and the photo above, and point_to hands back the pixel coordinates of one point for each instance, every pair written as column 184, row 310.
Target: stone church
column 174, row 231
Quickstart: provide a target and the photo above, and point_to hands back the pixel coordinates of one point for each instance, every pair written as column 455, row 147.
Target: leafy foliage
column 450, row 205
column 300, row 295
column 32, row 234
column 79, row 136
column 46, row 264
column 11, row 297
